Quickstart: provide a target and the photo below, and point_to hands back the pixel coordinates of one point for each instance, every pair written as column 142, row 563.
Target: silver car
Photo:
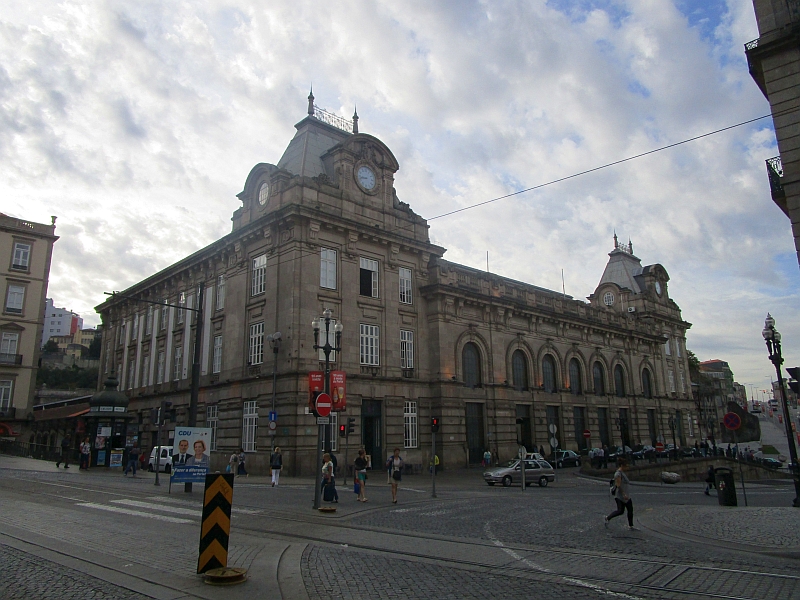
column 536, row 471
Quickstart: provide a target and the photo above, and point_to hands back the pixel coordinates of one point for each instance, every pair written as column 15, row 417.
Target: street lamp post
column 773, row 339
column 673, row 425
column 323, row 431
column 274, row 340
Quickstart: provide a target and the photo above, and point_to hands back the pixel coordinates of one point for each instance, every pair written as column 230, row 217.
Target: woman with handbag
column 275, row 464
column 395, row 465
column 360, row 467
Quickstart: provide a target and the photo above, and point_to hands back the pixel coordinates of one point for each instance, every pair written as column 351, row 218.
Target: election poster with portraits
column 191, row 454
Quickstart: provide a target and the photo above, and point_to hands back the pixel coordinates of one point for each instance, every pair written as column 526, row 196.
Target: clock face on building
column 263, row 193
column 608, row 299
column 658, row 288
column 366, row 177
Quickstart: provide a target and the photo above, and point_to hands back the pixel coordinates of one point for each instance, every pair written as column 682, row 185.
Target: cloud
column 137, row 125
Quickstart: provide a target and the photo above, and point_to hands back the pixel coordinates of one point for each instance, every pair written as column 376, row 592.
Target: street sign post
column 732, row 422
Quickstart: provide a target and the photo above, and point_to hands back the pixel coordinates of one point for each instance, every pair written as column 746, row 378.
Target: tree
column 94, row 348
column 50, row 346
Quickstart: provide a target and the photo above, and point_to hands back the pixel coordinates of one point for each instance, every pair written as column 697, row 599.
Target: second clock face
column 658, row 288
column 366, row 178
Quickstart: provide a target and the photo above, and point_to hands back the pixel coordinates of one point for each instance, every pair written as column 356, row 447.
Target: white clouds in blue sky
column 137, row 123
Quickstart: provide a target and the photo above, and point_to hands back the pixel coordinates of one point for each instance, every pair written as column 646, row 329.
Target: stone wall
column 690, row 469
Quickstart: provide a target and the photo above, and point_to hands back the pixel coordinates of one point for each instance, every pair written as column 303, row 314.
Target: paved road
column 471, row 541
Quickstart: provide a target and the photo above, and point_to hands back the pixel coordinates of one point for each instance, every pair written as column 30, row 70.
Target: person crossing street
column 622, row 495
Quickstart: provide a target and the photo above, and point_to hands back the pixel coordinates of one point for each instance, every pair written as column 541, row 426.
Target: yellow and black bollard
column 215, row 531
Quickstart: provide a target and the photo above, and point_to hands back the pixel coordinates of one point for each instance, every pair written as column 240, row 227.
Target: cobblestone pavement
column 27, row 577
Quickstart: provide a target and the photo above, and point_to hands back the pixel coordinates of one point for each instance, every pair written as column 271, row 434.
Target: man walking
column 65, row 449
column 133, row 459
column 622, row 494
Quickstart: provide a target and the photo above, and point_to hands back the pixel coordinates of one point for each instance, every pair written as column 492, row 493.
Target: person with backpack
column 276, row 463
column 710, row 480
column 620, row 489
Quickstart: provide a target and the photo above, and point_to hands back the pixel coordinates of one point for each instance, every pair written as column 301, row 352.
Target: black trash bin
column 726, row 488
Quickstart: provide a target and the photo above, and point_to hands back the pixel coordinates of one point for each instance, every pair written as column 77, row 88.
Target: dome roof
column 110, row 396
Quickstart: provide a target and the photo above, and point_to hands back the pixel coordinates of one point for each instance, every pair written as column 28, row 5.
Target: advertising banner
column 316, row 385
column 116, row 457
column 338, row 390
column 191, row 454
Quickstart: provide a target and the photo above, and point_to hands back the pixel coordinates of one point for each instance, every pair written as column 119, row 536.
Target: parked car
column 644, row 453
column 164, row 461
column 689, row 452
column 536, row 471
column 669, row 450
column 617, row 450
column 771, row 463
column 567, row 458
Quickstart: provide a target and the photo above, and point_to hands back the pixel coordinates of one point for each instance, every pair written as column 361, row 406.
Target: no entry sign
column 659, row 446
column 732, row 421
column 324, row 405
column 587, row 434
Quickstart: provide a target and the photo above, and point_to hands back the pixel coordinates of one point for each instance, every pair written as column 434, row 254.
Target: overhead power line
column 605, row 166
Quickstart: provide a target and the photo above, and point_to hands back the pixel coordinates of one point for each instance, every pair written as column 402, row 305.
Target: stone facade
column 498, row 360
column 774, row 63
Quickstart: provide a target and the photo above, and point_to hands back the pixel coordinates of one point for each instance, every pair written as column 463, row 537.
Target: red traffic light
column 434, row 424
column 342, row 430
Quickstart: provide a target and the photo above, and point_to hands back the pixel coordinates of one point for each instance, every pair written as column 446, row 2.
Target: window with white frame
column 216, row 361
column 148, row 322
column 164, row 315
column 410, row 425
column 331, row 338
column 677, row 347
column 369, row 344
column 212, row 416
column 668, row 347
column 22, row 256
column 134, row 326
column 368, row 282
column 8, row 346
column 406, row 349
column 671, row 381
column 145, row 370
column 683, row 381
column 259, row 283
column 327, row 268
column 122, row 333
column 333, row 433
column 181, row 310
column 256, row 355
column 5, row 394
column 177, row 364
column 690, row 428
column 405, row 285
column 131, row 374
column 160, row 367
column 15, row 299
column 220, row 292
column 249, row 425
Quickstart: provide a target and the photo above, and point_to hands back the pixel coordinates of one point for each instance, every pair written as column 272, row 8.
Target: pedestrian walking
column 329, row 493
column 276, row 463
column 65, row 449
column 86, row 452
column 133, row 459
column 622, row 495
column 233, row 463
column 395, row 466
column 240, row 470
column 360, row 465
column 604, row 451
column 487, row 459
column 710, row 483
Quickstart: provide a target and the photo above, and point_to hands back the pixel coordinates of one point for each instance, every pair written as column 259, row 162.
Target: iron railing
column 751, row 44
column 333, row 119
column 775, row 173
column 10, row 359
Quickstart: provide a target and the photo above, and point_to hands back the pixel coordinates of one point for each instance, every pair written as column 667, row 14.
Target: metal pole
column 158, row 447
column 522, row 452
column 787, row 421
column 739, row 460
column 275, row 343
column 433, row 464
column 195, row 393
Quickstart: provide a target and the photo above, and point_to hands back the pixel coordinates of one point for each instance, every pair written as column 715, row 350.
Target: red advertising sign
column 339, row 390
column 316, row 385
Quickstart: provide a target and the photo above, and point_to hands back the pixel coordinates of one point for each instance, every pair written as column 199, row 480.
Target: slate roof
column 624, row 269
column 312, row 140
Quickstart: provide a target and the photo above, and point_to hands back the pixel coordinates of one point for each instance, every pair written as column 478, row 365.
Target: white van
column 164, row 461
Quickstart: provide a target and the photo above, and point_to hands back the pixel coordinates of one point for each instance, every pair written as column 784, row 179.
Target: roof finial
column 616, row 244
column 355, row 119
column 630, row 246
column 311, row 101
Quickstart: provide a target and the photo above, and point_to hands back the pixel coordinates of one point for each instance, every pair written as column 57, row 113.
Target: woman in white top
column 395, row 465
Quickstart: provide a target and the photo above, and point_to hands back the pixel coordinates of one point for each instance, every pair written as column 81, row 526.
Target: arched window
column 519, row 370
column 599, row 379
column 549, row 374
column 647, row 387
column 575, row 383
column 619, row 381
column 471, row 362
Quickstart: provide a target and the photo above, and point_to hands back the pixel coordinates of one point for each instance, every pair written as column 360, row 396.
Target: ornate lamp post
column 274, row 340
column 323, row 431
column 773, row 339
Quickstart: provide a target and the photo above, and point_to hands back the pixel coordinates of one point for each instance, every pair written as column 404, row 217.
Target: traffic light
column 166, row 412
column 351, row 425
column 794, row 373
column 342, row 431
column 434, row 424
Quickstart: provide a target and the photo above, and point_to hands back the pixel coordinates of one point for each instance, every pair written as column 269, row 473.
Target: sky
column 136, row 124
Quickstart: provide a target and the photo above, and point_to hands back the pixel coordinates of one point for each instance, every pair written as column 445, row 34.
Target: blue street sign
column 273, row 416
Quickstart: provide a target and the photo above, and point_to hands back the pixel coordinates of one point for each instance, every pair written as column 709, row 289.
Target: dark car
column 618, row 451
column 567, row 458
column 644, row 453
column 771, row 463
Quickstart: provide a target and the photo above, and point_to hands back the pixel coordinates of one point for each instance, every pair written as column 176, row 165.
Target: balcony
column 775, row 174
column 10, row 359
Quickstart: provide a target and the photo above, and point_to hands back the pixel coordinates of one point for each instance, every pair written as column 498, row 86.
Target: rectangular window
column 220, row 292
column 333, row 432
column 604, row 425
column 668, row 347
column 369, row 344
column 259, row 285
column 216, row 362
column 410, row 425
column 327, row 268
column 8, row 347
column 406, row 349
column 671, row 381
column 160, row 368
column 652, row 426
column 405, row 285
column 256, row 356
column 683, row 382
column 690, row 428
column 212, row 415
column 177, row 364
column 5, row 394
column 22, row 256
column 249, row 425
column 331, row 339
column 145, row 370
column 579, row 421
column 131, row 374
column 15, row 299
column 369, row 278
column 164, row 314
column 677, row 348
column 148, row 323
column 181, row 310
column 134, row 326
